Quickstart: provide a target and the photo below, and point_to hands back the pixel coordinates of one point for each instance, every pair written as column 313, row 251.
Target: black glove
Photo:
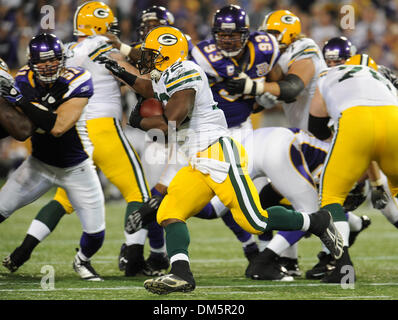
column 235, row 86
column 9, row 91
column 379, row 197
column 244, row 85
column 114, row 28
column 135, row 116
column 117, row 70
column 111, row 65
column 356, row 197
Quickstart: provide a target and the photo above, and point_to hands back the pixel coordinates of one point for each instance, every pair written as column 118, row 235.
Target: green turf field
column 217, row 262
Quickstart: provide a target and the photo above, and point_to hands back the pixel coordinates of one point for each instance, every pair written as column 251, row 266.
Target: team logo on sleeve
column 101, row 13
column 167, row 39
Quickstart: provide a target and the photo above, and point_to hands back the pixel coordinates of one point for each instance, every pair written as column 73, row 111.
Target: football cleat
column 326, row 264
column 339, row 273
column 85, row 270
column 270, row 271
column 291, row 265
column 158, row 261
column 354, row 234
column 251, row 252
column 9, row 264
column 330, row 236
column 167, row 284
column 122, row 259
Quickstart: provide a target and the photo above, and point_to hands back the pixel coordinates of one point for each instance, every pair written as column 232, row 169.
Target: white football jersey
column 5, row 74
column 205, row 123
column 297, row 112
column 348, row 86
column 105, row 101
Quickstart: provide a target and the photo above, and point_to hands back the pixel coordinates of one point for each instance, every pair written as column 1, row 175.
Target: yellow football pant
column 191, row 190
column 364, row 134
column 117, row 159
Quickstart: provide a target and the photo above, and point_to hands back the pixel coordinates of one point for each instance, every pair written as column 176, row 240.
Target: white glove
column 267, row 100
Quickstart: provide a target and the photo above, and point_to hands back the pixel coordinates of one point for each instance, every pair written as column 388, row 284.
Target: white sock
column 159, row 250
column 38, row 230
column 354, row 222
column 138, row 237
column 179, row 256
column 262, row 244
column 344, row 229
column 291, row 252
column 278, row 244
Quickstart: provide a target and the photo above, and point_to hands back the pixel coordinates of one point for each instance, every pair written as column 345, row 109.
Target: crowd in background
column 375, row 27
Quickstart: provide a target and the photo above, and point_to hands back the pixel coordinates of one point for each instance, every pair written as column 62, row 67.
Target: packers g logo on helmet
column 285, row 25
column 92, row 18
column 163, row 46
column 167, row 39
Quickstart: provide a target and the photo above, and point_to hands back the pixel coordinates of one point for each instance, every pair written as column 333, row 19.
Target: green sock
column 337, row 212
column 280, row 218
column 51, row 214
column 177, row 238
column 131, row 206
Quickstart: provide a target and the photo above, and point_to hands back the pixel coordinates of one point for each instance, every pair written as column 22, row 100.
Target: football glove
column 111, row 65
column 135, row 116
column 143, row 216
column 356, row 196
column 379, row 197
column 244, row 85
column 54, row 95
column 267, row 100
column 9, row 91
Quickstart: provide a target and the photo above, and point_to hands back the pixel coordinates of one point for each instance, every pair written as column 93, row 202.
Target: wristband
column 125, row 49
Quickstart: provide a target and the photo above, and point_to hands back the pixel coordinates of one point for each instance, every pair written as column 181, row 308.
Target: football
column 151, row 107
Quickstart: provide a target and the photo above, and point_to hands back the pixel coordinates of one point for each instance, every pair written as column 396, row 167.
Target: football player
column 13, row 122
column 363, row 105
column 54, row 96
column 102, row 118
column 218, row 164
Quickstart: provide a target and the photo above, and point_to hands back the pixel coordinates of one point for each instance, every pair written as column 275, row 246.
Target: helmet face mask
column 92, row 18
column 46, row 57
column 231, row 30
column 163, row 47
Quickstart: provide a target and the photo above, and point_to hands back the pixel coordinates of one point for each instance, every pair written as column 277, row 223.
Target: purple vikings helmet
column 337, row 51
column 231, row 30
column 46, row 48
column 153, row 17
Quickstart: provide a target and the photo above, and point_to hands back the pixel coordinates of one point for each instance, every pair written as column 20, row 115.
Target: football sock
column 21, row 254
column 241, row 234
column 155, row 235
column 177, row 239
column 138, row 237
column 283, row 240
column 291, row 252
column 280, row 218
column 49, row 215
column 90, row 243
column 354, row 222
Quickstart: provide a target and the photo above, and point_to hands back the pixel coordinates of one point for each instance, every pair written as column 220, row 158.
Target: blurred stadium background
column 375, row 32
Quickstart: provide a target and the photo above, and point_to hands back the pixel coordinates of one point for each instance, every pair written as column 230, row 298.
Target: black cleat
column 291, row 265
column 325, row 229
column 9, row 264
column 340, row 274
column 326, row 264
column 354, row 234
column 158, row 261
column 250, row 254
column 167, row 284
column 122, row 259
